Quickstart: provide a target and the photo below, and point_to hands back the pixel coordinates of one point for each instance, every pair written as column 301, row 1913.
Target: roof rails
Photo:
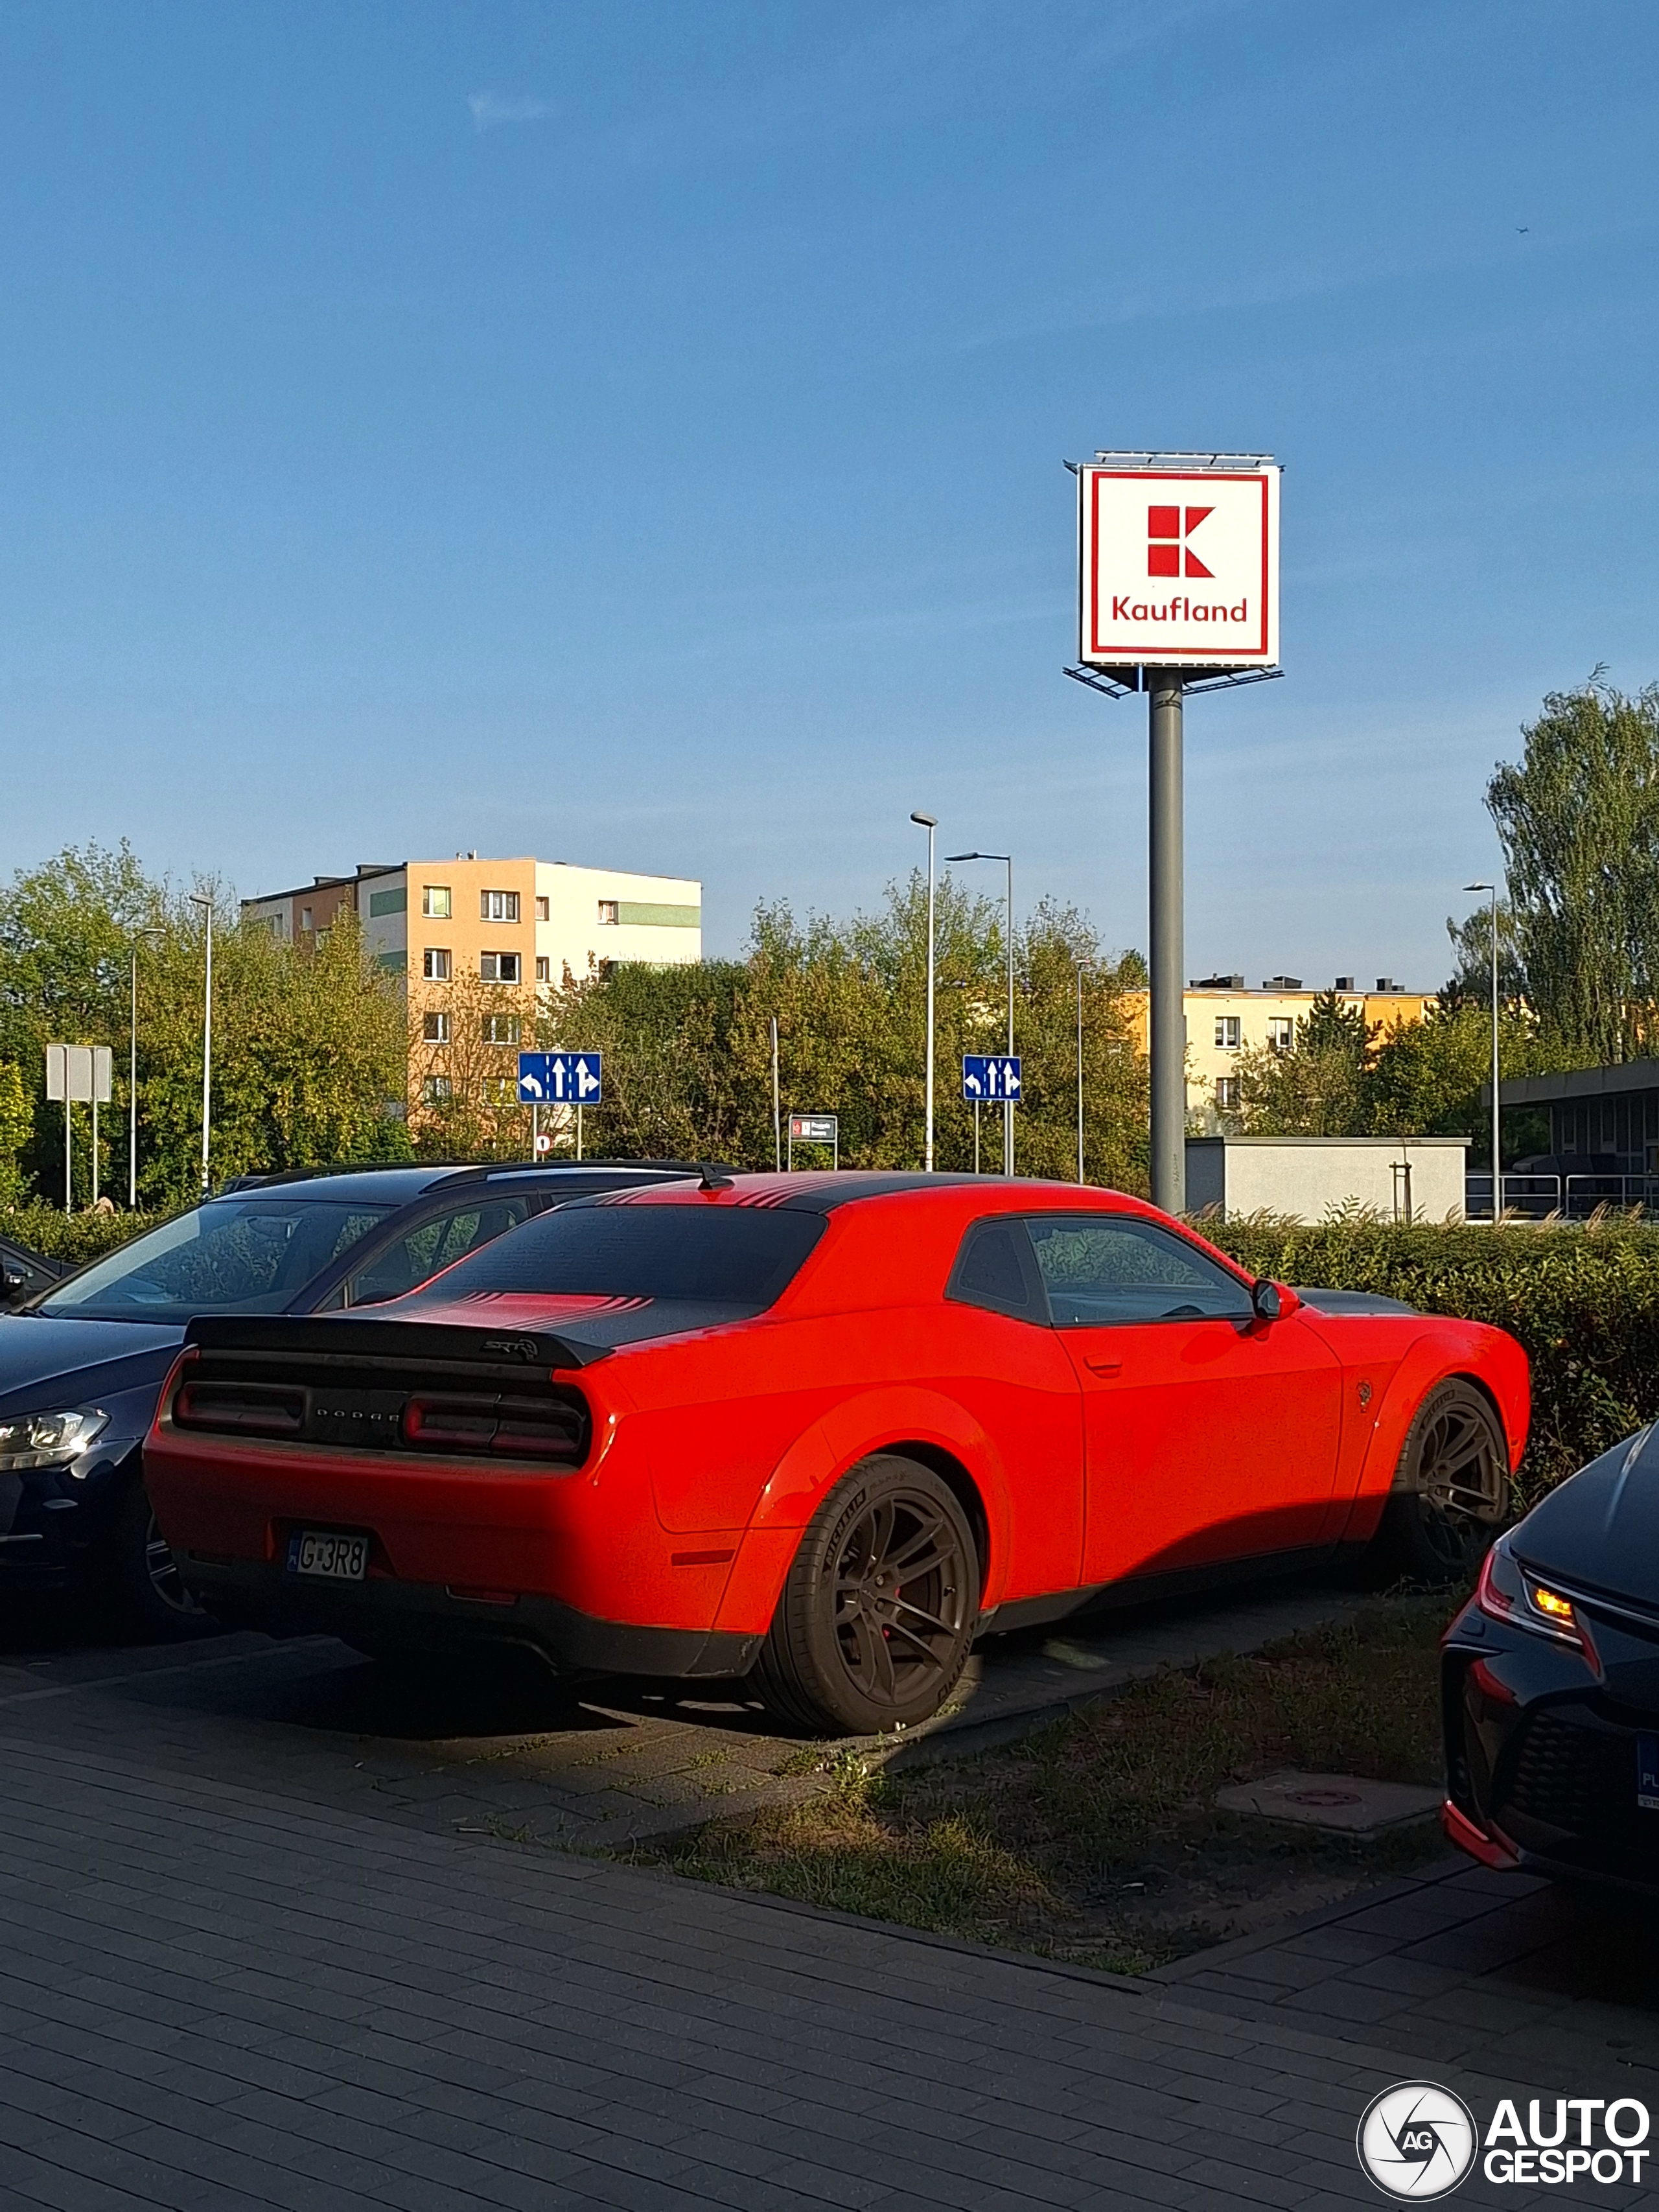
column 458, row 1170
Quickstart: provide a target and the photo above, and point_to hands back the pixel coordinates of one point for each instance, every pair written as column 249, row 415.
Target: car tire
column 150, row 1598
column 878, row 1608
column 1451, row 1491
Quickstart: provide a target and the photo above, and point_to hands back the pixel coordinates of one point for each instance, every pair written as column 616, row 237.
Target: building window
column 498, row 906
column 435, row 1089
column 544, row 968
column 499, row 967
column 605, row 969
column 435, row 965
column 501, row 1091
column 1281, row 1032
column 305, row 921
column 434, row 902
column 608, row 914
column 1226, row 1032
column 502, row 1029
column 541, row 909
column 434, row 1029
column 1226, row 1094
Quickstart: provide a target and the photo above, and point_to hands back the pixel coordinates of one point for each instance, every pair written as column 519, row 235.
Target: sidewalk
column 213, row 1996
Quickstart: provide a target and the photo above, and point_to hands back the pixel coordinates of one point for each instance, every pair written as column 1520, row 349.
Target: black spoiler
column 342, row 1340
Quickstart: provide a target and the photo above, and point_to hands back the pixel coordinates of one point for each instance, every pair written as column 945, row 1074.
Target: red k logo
column 1167, row 539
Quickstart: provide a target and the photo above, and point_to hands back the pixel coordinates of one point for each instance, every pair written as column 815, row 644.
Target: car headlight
column 1508, row 1591
column 47, row 1439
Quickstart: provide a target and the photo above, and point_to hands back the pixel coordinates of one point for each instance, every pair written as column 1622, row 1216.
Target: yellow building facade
column 1225, row 1020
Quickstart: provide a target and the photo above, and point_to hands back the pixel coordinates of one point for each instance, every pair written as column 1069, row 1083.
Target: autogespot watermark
column 1418, row 2142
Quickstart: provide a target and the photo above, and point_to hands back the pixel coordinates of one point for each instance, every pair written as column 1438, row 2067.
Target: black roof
column 398, row 1185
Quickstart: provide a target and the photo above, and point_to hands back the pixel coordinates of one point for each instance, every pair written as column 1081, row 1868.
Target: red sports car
column 822, row 1431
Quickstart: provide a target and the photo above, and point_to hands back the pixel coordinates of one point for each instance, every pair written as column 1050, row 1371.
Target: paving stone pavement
column 594, row 1769
column 217, row 1997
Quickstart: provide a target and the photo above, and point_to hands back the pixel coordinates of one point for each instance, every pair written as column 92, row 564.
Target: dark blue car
column 82, row 1363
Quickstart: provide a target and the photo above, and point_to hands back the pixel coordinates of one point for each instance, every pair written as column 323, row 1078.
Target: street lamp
column 204, row 900
column 929, row 822
column 1497, row 1122
column 1084, row 967
column 132, row 1077
column 1007, row 1103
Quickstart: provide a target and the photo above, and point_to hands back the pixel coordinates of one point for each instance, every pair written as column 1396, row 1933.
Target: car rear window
column 726, row 1256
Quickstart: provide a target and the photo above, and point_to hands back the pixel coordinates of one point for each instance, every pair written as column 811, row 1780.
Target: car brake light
column 239, row 1409
column 548, row 1430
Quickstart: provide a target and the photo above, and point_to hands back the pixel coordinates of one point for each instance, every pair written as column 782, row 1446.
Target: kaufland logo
column 1166, row 535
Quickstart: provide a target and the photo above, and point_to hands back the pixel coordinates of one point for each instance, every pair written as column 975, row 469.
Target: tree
column 1470, row 981
column 1579, row 821
column 687, row 1050
column 16, row 1127
column 1425, row 1077
column 1317, row 1087
column 309, row 1048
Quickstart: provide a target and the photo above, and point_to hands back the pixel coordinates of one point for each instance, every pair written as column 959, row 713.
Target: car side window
column 1100, row 1270
column 994, row 1269
column 433, row 1244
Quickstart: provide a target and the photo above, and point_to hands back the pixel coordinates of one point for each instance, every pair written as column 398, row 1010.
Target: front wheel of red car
column 879, row 1606
column 1451, row 1489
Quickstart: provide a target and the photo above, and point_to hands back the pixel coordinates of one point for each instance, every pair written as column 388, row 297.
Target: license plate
column 335, row 1558
column 1647, row 1773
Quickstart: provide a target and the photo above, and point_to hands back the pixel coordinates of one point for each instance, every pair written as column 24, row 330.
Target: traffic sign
column 560, row 1079
column 813, row 1129
column 988, row 1075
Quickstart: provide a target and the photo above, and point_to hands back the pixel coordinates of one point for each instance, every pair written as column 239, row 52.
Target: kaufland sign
column 1179, row 566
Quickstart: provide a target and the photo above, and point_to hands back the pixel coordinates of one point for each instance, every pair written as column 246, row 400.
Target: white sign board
column 78, row 1073
column 1179, row 567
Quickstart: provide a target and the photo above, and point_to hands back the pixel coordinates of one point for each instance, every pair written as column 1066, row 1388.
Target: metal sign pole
column 69, row 1160
column 975, row 1136
column 535, row 1131
column 1167, row 946
column 777, row 1124
column 579, row 1129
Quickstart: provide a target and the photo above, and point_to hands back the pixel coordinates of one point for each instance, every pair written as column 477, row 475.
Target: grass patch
column 1097, row 1838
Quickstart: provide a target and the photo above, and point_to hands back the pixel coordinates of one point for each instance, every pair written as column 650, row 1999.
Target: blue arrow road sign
column 990, row 1075
column 560, row 1079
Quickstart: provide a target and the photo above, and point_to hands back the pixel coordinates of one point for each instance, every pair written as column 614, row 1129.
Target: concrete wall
column 1306, row 1178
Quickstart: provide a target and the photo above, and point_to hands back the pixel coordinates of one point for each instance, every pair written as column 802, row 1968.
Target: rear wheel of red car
column 879, row 1606
column 1451, row 1489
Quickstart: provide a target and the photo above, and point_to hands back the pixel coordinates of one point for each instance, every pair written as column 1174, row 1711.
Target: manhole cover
column 1345, row 1802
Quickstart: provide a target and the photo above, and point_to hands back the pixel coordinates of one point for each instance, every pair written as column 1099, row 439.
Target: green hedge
column 74, row 1237
column 1584, row 1301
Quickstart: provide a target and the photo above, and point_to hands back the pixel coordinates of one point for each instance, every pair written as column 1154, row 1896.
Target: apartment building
column 472, row 940
column 1224, row 1020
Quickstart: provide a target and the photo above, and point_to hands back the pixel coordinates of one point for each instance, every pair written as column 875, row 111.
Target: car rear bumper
column 383, row 1613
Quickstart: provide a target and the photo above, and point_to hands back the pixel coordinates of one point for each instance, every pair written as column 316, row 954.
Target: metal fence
column 1571, row 1198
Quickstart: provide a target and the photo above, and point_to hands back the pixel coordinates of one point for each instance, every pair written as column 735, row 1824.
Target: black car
column 25, row 1274
column 1550, row 1682
column 82, row 1360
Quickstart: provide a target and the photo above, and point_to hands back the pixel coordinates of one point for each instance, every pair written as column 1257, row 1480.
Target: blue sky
column 632, row 433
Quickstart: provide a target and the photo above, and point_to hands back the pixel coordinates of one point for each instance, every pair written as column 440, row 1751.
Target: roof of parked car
column 398, row 1186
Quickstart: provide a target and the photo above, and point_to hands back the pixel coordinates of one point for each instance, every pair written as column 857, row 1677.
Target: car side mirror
column 1268, row 1300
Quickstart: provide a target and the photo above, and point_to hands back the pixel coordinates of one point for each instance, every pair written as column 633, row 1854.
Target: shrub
column 1585, row 1302
column 74, row 1237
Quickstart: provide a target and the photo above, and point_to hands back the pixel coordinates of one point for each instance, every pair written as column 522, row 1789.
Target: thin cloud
column 491, row 109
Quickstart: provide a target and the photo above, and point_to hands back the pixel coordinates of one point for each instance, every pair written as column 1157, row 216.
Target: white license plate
column 335, row 1558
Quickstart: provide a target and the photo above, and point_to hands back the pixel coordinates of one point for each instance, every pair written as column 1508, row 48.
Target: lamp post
column 132, row 1077
column 205, row 901
column 1084, row 967
column 1497, row 1111
column 929, row 822
column 1007, row 1103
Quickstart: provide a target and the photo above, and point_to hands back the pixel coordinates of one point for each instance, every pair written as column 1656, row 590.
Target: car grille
column 1574, row 1773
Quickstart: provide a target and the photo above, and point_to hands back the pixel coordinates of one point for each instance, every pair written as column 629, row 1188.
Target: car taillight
column 240, row 1409
column 542, row 1429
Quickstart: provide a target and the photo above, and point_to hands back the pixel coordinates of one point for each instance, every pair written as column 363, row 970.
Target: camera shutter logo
column 1417, row 2141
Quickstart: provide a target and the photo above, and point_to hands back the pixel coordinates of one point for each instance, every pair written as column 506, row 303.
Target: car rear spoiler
column 341, row 1341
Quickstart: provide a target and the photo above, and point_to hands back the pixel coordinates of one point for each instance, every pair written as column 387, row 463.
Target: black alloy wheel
column 1451, row 1489
column 878, row 1610
column 149, row 1589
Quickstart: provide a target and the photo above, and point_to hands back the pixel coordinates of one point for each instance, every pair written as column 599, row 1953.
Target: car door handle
column 1104, row 1364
